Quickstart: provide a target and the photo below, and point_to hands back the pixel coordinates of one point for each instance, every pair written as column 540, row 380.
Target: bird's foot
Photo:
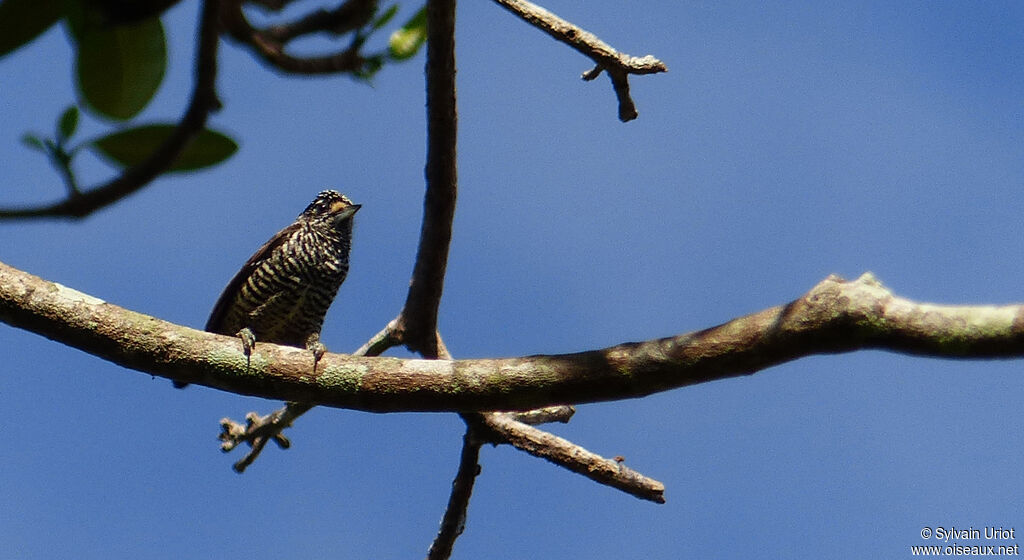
column 314, row 345
column 248, row 343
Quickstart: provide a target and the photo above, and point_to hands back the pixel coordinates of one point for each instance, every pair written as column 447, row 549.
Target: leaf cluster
column 120, row 61
column 120, row 53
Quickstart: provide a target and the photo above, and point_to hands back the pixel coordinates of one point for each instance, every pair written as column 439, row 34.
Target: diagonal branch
column 835, row 316
column 505, row 429
column 618, row 65
column 203, row 102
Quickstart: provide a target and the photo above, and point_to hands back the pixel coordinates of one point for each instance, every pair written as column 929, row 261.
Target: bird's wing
column 220, row 309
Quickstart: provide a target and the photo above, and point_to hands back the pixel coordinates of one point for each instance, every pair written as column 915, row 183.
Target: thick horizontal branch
column 835, row 316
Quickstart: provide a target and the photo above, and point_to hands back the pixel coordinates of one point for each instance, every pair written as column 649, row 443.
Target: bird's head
column 332, row 207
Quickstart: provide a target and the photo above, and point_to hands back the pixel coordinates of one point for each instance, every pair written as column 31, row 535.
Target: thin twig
column 63, row 164
column 618, row 65
column 258, row 430
column 347, row 17
column 380, row 342
column 454, row 520
column 566, row 454
column 268, row 46
column 561, row 414
column 204, row 101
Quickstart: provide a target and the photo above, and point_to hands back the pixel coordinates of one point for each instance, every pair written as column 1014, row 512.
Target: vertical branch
column 454, row 520
column 418, row 321
column 416, row 325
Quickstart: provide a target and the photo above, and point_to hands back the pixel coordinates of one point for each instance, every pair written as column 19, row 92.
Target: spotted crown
column 325, row 203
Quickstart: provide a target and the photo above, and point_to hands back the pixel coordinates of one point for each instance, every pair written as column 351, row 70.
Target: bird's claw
column 248, row 343
column 314, row 345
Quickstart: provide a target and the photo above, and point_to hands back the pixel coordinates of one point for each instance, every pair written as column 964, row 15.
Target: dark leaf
column 34, row 142
column 120, row 67
column 120, row 12
column 68, row 123
column 406, row 42
column 21, row 21
column 134, row 145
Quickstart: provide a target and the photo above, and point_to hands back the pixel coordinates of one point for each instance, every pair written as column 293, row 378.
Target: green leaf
column 371, row 65
column 34, row 142
column 406, row 42
column 120, row 67
column 21, row 21
column 134, row 145
column 384, row 18
column 68, row 123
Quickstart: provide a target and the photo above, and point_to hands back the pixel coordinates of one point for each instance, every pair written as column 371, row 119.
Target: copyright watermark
column 958, row 541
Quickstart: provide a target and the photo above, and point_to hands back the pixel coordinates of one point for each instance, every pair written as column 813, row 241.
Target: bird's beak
column 344, row 211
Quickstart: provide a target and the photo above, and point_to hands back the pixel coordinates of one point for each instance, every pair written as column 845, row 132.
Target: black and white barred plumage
column 282, row 293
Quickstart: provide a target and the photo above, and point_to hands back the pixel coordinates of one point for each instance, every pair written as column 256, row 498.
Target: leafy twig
column 203, row 102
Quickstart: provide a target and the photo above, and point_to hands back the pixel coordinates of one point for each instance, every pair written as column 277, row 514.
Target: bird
column 283, row 291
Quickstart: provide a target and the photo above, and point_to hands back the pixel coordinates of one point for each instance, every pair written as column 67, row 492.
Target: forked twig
column 258, row 430
column 618, row 65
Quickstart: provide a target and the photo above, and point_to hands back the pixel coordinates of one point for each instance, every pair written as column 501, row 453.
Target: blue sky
column 787, row 142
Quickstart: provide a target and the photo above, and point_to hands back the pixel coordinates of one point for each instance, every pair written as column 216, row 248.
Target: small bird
column 283, row 292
